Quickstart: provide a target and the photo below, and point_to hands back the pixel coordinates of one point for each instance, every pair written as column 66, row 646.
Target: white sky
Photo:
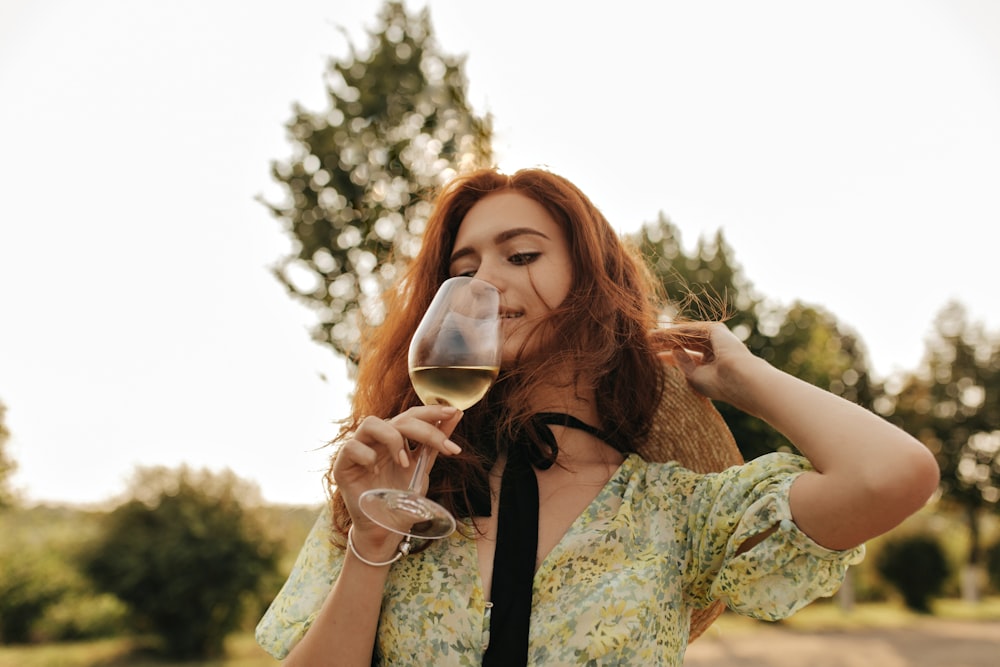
column 850, row 151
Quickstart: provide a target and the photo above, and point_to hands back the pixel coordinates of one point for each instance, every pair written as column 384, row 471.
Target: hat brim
column 689, row 430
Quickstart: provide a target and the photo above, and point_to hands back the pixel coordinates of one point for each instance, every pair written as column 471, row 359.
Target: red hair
column 603, row 329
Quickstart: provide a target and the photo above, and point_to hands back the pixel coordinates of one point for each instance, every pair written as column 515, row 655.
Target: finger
column 381, row 434
column 684, row 360
column 414, row 428
column 448, row 424
column 690, row 338
column 357, row 453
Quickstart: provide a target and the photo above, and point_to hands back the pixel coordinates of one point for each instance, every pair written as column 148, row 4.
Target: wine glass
column 454, row 358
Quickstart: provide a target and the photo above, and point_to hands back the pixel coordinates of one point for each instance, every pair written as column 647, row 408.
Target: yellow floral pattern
column 657, row 541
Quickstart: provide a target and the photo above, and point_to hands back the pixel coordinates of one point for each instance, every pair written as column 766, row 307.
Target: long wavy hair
column 603, row 331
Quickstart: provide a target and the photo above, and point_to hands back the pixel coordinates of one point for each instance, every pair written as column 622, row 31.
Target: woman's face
column 511, row 241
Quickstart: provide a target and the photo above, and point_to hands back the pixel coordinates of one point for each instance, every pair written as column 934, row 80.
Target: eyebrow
column 502, row 237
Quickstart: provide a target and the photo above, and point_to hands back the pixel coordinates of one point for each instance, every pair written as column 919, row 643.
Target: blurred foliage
column 944, row 523
column 357, row 187
column 81, row 615
column 186, row 556
column 952, row 404
column 802, row 340
column 30, row 581
column 917, row 567
column 7, row 464
column 993, row 565
column 289, row 524
column 43, row 596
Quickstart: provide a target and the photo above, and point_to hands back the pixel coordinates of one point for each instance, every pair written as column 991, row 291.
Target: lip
column 510, row 314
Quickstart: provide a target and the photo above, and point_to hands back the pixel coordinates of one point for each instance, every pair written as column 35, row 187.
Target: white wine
column 458, row 386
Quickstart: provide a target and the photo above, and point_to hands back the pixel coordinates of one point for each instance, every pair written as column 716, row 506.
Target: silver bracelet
column 401, row 550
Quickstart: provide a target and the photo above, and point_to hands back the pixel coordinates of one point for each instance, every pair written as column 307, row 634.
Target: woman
column 572, row 548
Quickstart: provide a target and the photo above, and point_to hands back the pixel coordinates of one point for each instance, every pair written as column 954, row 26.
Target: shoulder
column 738, row 481
column 656, row 480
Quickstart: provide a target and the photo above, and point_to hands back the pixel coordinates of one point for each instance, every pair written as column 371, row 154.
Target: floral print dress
column 656, row 542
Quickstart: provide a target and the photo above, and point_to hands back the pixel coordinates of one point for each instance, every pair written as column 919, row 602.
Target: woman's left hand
column 708, row 354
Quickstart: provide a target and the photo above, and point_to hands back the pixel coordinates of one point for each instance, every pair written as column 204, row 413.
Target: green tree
column 708, row 284
column 805, row 341
column 187, row 555
column 916, row 566
column 357, row 186
column 810, row 343
column 7, row 464
column 952, row 404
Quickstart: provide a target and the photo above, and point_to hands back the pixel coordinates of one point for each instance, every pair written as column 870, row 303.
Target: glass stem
column 418, row 469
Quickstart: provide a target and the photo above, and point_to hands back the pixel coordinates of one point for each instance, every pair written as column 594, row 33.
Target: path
column 934, row 643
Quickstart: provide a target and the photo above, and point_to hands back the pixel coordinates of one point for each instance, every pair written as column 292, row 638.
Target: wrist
column 377, row 552
column 744, row 382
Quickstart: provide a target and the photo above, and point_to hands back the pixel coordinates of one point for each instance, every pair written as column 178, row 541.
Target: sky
column 848, row 150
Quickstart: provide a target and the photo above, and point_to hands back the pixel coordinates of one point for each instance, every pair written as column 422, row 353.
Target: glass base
column 407, row 513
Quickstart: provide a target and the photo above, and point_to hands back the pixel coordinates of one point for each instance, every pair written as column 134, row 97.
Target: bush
column 30, row 581
column 993, row 565
column 81, row 616
column 916, row 567
column 187, row 562
column 43, row 594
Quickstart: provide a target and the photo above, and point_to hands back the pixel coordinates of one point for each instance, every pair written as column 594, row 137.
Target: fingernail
column 404, row 458
column 449, row 410
column 452, row 447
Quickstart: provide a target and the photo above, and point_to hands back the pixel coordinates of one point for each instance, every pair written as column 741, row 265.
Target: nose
column 481, row 288
column 488, row 273
column 484, row 299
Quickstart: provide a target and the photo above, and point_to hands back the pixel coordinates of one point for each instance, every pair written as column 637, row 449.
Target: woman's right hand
column 378, row 456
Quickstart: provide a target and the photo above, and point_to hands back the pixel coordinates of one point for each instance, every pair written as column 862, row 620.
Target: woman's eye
column 522, row 258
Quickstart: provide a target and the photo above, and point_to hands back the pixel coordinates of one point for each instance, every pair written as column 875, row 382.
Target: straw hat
column 688, row 429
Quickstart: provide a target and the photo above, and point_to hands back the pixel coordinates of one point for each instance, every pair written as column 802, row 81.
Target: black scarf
column 517, row 535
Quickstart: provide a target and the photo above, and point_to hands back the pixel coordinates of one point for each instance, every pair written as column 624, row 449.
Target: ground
column 923, row 643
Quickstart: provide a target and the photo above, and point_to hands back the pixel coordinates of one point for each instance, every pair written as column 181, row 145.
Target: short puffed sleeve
column 775, row 578
column 297, row 604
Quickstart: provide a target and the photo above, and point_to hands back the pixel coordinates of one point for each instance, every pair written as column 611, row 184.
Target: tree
column 707, row 284
column 916, row 566
column 7, row 464
column 186, row 555
column 952, row 404
column 802, row 340
column 358, row 184
column 808, row 342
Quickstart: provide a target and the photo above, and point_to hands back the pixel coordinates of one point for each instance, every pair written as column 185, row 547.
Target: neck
column 571, row 398
column 575, row 446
